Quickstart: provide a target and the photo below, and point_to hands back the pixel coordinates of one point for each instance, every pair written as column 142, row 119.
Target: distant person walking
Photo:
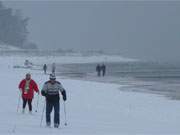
column 51, row 90
column 98, row 70
column 103, row 69
column 53, row 68
column 27, row 87
column 45, row 68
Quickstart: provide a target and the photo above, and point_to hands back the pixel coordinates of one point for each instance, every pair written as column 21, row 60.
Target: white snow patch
column 92, row 108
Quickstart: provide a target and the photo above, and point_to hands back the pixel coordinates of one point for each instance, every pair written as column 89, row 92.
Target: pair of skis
column 19, row 98
column 44, row 110
column 65, row 117
column 65, row 113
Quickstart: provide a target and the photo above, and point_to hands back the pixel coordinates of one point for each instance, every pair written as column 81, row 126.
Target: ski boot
column 56, row 125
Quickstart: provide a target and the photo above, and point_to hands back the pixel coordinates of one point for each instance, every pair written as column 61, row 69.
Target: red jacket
column 32, row 87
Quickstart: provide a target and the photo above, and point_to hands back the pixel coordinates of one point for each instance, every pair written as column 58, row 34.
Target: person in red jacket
column 27, row 87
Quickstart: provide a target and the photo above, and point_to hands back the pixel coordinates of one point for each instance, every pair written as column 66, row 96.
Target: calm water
column 157, row 78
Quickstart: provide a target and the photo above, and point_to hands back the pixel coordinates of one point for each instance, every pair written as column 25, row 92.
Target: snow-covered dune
column 40, row 60
column 92, row 108
column 4, row 47
column 15, row 54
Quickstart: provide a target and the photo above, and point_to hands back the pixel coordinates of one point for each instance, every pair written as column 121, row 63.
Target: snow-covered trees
column 13, row 26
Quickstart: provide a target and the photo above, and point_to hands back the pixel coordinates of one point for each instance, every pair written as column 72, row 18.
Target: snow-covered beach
column 92, row 107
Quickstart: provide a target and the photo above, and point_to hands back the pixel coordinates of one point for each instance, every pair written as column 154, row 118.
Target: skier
column 51, row 91
column 98, row 70
column 103, row 69
column 27, row 87
column 53, row 68
column 45, row 68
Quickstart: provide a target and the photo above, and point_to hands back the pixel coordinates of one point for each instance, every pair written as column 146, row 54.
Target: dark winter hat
column 28, row 74
column 52, row 77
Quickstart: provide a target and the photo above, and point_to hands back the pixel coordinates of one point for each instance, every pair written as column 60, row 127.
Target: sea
column 161, row 78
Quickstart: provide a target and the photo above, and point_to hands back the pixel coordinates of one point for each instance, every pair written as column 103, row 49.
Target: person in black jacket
column 45, row 68
column 51, row 91
column 98, row 70
column 103, row 68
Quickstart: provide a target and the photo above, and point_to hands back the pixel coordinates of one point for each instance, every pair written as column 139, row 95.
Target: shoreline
column 128, row 84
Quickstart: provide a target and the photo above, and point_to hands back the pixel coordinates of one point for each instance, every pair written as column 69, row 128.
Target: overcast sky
column 145, row 30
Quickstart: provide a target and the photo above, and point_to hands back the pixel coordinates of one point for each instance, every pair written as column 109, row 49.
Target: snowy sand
column 92, row 108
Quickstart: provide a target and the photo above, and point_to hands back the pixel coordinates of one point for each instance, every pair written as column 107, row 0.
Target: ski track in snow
column 92, row 108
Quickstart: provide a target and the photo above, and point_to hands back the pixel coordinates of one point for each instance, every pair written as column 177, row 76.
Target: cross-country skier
column 51, row 90
column 27, row 87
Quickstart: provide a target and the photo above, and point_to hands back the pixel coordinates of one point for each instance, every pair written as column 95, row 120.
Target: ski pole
column 19, row 98
column 42, row 113
column 65, row 114
column 37, row 104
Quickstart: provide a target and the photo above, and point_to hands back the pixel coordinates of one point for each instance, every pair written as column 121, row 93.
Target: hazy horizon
column 143, row 30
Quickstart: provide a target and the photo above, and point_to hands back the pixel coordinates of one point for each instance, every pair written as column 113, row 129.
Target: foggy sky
column 144, row 30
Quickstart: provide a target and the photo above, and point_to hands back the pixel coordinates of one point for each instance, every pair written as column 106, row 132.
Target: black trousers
column 44, row 71
column 49, row 108
column 29, row 103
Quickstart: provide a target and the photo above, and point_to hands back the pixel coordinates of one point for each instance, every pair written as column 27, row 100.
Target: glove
column 64, row 95
column 43, row 93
